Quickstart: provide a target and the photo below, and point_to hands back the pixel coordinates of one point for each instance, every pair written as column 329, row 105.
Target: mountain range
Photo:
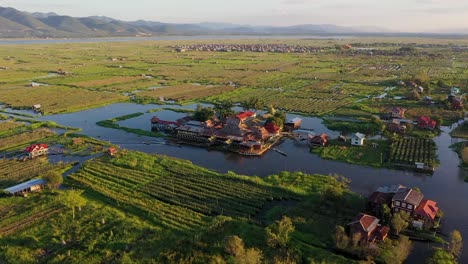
column 19, row 24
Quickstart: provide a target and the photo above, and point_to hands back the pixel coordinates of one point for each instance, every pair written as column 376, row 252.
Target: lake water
column 446, row 185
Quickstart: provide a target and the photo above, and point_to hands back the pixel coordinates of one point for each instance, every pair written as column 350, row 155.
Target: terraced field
column 178, row 197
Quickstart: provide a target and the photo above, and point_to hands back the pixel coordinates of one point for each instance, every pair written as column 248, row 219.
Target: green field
column 369, row 154
column 310, row 83
column 160, row 203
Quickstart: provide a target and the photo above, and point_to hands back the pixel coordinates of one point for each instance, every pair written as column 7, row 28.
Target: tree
column 386, row 214
column 234, row 245
column 341, row 238
column 422, row 78
column 203, row 114
column 224, row 109
column 439, row 256
column 278, row 233
column 72, row 199
column 53, row 179
column 414, row 95
column 438, row 119
column 456, row 244
column 399, row 221
column 250, row 256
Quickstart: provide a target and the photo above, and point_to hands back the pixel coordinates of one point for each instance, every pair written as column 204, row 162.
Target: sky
column 395, row 15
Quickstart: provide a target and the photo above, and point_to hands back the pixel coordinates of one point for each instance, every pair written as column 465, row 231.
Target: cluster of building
column 279, row 48
column 242, row 133
column 399, row 123
column 398, row 198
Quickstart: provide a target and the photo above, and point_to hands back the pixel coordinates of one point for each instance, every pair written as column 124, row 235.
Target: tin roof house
column 358, row 139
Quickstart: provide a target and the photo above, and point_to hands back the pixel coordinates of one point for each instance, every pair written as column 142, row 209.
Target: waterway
column 446, row 185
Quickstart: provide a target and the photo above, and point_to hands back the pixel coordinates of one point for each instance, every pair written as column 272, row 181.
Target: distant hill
column 19, row 24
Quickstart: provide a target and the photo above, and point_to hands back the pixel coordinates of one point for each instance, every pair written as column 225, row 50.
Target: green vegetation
column 93, row 74
column 450, row 252
column 136, row 202
column 461, row 131
column 408, row 150
column 373, row 153
column 112, row 123
column 462, row 151
column 13, row 172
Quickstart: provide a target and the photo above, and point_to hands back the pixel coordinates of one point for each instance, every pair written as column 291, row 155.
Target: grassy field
column 310, row 83
column 367, row 155
column 461, row 131
column 183, row 213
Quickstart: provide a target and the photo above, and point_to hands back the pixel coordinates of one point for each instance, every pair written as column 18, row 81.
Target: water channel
column 446, row 185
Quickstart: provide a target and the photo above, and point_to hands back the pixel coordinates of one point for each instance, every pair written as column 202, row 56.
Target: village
column 277, row 48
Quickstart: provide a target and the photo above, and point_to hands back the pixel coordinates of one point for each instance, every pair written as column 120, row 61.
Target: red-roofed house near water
column 426, row 122
column 427, row 210
column 368, row 227
column 36, row 150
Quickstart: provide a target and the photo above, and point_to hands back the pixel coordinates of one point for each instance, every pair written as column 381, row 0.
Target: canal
column 446, row 185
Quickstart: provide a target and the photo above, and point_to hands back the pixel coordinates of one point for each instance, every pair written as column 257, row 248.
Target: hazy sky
column 402, row 15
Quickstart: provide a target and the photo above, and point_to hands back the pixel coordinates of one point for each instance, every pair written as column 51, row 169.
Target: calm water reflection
column 446, row 185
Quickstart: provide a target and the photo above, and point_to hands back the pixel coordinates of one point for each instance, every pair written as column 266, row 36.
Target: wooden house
column 36, row 108
column 293, row 123
column 406, row 200
column 425, row 122
column 163, row 125
column 398, row 112
column 319, row 140
column 368, row 228
column 426, row 211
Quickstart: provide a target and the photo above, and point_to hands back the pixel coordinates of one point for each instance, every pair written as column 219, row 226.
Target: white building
column 358, row 139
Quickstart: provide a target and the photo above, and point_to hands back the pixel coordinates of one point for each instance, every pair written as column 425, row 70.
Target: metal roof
column 25, row 185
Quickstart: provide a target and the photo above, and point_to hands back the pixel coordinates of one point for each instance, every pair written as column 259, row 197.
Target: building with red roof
column 35, row 150
column 163, row 125
column 427, row 210
column 425, row 122
column 272, row 128
column 319, row 141
column 368, row 227
column 243, row 116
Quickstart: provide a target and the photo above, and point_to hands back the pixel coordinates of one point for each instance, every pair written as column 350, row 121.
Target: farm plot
column 22, row 139
column 180, row 196
column 308, row 102
column 185, row 92
column 13, row 172
column 56, row 99
column 7, row 126
column 410, row 150
column 19, row 213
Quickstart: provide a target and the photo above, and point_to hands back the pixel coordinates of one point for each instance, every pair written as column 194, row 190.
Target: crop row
column 13, row 172
column 114, row 187
column 411, row 150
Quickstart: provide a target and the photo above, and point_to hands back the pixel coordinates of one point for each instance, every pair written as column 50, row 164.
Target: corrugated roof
column 359, row 135
column 25, row 185
column 409, row 196
column 428, row 209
